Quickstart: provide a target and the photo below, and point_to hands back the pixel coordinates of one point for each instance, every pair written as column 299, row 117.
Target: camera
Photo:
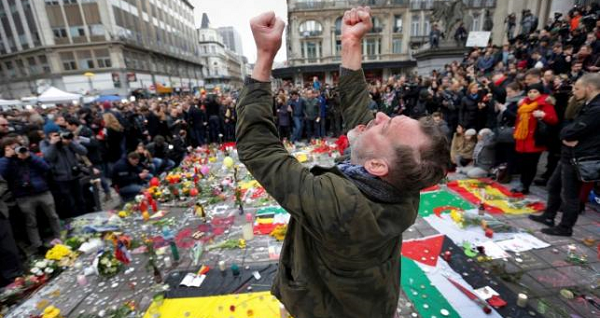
column 21, row 149
column 67, row 135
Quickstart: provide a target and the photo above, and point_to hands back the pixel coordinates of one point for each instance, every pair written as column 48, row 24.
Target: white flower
column 41, row 264
column 49, row 270
column 36, row 271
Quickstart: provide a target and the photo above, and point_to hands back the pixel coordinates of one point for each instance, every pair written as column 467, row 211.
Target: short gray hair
column 591, row 79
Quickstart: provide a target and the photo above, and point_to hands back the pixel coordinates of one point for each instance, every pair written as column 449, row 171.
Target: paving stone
column 528, row 286
column 583, row 306
column 579, row 274
column 591, row 228
column 529, row 261
column 526, row 224
column 549, row 256
column 551, row 278
column 553, row 240
column 552, row 307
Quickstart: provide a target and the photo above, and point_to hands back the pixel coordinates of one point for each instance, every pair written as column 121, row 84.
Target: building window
column 397, row 46
column 427, row 28
column 59, row 33
column 96, row 30
column 415, row 26
column 10, row 70
column 338, row 26
column 377, row 26
column 103, row 58
column 85, row 59
column 51, row 2
column 33, row 67
column 68, row 61
column 338, row 47
column 44, row 63
column 398, row 24
column 373, row 47
column 70, row 1
column 311, row 28
column 476, row 22
column 311, row 50
column 77, row 31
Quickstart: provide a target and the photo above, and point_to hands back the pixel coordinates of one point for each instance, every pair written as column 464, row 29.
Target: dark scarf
column 373, row 187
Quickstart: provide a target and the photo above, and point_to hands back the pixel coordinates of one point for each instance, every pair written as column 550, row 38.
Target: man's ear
column 377, row 167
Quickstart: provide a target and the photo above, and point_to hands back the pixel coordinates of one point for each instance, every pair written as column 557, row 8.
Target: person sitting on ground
column 463, row 144
column 341, row 253
column 483, row 155
column 160, row 150
column 129, row 178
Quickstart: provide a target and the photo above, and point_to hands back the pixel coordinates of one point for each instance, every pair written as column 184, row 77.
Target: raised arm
column 354, row 93
column 308, row 198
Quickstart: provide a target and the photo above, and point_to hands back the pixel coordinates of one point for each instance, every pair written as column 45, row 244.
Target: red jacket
column 528, row 144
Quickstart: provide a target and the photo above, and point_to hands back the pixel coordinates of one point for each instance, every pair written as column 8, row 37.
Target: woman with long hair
column 113, row 137
column 533, row 112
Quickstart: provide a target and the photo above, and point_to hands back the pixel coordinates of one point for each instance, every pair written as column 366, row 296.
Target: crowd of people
column 501, row 107
column 59, row 160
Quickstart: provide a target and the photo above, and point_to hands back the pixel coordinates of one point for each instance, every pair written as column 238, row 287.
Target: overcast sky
column 237, row 13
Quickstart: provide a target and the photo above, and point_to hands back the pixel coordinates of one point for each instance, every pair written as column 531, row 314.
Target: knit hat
column 537, row 86
column 470, row 132
column 107, row 105
column 51, row 127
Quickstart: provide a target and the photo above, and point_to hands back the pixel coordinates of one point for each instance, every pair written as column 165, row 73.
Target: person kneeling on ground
column 483, row 155
column 129, row 177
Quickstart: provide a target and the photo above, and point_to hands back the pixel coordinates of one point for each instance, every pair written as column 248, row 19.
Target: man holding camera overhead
column 25, row 174
column 61, row 150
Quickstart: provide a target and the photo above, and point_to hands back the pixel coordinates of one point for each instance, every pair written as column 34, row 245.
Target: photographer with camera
column 61, row 151
column 25, row 174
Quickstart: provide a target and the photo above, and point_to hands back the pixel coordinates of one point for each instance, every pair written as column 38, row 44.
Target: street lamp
column 89, row 76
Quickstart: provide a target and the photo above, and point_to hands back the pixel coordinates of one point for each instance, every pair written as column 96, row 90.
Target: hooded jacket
column 341, row 254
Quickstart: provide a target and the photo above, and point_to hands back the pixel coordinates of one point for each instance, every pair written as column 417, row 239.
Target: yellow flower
column 242, row 244
column 122, row 214
column 51, row 312
column 456, row 216
column 58, row 252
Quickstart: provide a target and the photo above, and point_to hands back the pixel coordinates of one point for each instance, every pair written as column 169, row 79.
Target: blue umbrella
column 108, row 98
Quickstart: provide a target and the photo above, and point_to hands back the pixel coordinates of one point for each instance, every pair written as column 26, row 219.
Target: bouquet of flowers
column 108, row 265
column 58, row 252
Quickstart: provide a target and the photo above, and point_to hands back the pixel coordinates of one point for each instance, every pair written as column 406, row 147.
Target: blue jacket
column 25, row 177
column 298, row 107
column 323, row 105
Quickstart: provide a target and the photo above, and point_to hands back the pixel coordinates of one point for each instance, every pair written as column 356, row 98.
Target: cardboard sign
column 478, row 38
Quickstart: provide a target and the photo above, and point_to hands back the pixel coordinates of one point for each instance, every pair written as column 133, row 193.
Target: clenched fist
column 267, row 30
column 356, row 23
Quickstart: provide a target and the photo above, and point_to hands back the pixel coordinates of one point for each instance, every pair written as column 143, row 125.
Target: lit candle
column 522, row 300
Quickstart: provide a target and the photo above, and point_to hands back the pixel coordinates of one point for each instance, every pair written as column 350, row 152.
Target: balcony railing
column 341, row 4
column 428, row 4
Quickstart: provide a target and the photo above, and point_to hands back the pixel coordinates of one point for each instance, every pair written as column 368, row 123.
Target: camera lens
column 67, row 135
column 21, row 149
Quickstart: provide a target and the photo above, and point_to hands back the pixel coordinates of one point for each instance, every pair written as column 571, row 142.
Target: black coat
column 583, row 129
column 125, row 174
column 467, row 114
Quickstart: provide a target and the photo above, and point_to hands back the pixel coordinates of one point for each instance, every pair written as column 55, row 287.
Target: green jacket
column 341, row 253
column 312, row 108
